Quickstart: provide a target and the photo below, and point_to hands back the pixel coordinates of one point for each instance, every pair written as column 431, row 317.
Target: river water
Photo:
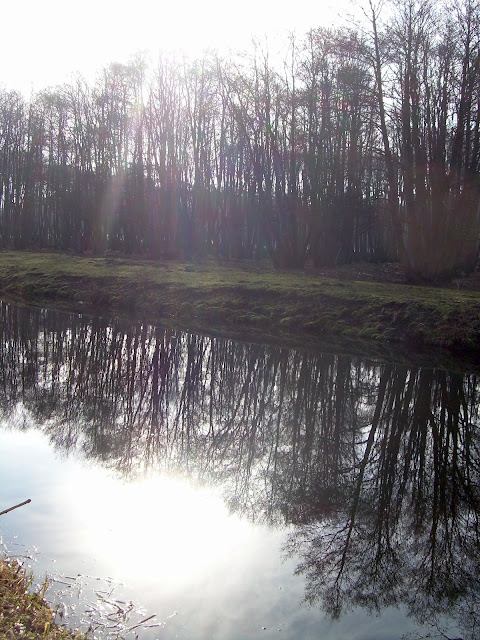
column 193, row 487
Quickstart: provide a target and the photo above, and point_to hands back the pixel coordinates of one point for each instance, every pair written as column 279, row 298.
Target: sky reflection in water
column 180, row 470
column 173, row 546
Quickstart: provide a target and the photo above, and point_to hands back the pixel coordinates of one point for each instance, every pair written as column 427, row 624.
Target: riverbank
column 374, row 315
column 24, row 614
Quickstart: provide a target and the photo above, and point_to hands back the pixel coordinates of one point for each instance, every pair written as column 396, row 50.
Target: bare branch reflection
column 372, row 468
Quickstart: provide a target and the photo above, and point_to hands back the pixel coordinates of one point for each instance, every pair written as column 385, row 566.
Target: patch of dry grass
column 25, row 615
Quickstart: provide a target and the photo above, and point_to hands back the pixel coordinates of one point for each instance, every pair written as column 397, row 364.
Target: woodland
column 361, row 143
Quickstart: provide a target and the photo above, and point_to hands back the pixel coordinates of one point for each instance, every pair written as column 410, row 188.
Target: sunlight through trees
column 363, row 144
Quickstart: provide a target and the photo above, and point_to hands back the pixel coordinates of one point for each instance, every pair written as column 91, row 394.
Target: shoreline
column 252, row 302
column 24, row 613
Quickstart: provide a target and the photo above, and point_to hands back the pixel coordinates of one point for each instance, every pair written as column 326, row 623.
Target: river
column 186, row 486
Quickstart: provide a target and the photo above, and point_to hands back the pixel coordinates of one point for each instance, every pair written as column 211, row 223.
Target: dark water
column 237, row 490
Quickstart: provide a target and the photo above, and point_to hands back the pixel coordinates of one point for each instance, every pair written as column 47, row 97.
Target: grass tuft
column 25, row 615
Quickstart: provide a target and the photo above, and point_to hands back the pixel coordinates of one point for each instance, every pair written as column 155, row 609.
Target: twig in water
column 140, row 623
column 14, row 507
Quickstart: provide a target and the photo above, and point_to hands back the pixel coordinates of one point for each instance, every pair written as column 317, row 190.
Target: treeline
column 362, row 144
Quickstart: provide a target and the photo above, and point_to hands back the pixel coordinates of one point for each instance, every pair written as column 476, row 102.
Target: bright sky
column 44, row 42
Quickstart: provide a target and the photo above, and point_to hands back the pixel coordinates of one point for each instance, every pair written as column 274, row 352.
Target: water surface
column 235, row 490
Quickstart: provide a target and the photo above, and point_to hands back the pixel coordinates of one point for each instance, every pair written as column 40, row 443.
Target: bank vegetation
column 253, row 302
column 24, row 614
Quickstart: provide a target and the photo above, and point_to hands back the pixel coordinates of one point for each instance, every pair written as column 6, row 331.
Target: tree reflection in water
column 374, row 467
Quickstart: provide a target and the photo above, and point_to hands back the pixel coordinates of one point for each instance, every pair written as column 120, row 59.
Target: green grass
column 251, row 302
column 24, row 614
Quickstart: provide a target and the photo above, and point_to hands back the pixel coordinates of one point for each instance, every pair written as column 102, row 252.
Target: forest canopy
column 361, row 144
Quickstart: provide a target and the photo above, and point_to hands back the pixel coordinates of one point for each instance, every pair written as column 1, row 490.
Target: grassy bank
column 255, row 303
column 25, row 615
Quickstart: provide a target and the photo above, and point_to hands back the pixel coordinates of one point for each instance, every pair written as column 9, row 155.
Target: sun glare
column 59, row 39
column 161, row 525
